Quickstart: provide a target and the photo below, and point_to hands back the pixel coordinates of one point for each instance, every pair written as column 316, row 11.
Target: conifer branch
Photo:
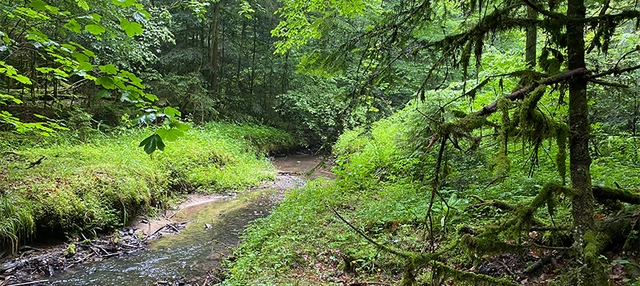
column 547, row 13
column 520, row 94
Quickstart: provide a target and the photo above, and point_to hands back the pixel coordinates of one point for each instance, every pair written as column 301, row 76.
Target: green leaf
column 124, row 3
column 38, row 5
column 96, row 17
column 109, row 69
column 150, row 97
column 170, row 135
column 179, row 125
column 131, row 28
column 89, row 53
column 152, row 143
column 83, row 4
column 106, row 82
column 80, row 57
column 73, row 26
column 87, row 66
column 23, row 79
column 7, row 97
column 148, row 119
column 95, row 29
column 44, row 70
column 104, row 94
column 172, row 112
column 68, row 48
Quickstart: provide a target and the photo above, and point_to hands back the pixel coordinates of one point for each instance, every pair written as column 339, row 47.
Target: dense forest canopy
column 533, row 85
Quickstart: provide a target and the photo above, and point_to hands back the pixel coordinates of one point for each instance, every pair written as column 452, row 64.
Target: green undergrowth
column 101, row 183
column 383, row 189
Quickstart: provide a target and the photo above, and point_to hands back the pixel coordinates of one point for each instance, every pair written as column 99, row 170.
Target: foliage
column 382, row 181
column 103, row 183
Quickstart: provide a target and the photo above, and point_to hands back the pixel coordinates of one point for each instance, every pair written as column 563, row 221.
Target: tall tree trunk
column 532, row 39
column 253, row 57
column 241, row 55
column 213, row 48
column 590, row 271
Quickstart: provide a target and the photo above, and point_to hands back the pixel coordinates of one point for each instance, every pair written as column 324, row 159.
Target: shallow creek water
column 212, row 230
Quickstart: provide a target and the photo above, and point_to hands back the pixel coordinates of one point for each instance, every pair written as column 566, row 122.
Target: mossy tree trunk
column 580, row 161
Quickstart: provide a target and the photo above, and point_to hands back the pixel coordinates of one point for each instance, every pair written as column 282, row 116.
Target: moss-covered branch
column 605, row 193
column 521, row 93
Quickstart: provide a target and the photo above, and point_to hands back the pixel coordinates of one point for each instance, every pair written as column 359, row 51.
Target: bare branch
column 606, row 83
column 615, row 71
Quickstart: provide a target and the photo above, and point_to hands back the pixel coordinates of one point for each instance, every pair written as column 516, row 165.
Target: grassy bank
column 383, row 189
column 100, row 184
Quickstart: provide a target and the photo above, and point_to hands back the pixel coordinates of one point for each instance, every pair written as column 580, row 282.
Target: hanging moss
column 524, row 218
column 502, row 163
column 530, row 103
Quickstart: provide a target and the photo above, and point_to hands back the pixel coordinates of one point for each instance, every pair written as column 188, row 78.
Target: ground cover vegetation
column 497, row 171
column 65, row 187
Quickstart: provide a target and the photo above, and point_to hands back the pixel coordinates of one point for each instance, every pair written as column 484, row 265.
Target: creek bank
column 77, row 262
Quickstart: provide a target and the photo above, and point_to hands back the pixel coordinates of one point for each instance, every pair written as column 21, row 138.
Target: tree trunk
column 213, row 53
column 241, row 55
column 253, row 57
column 532, row 39
column 590, row 270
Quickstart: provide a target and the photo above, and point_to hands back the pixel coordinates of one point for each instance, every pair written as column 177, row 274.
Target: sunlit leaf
column 83, row 4
column 124, row 3
column 96, row 17
column 150, row 97
column 106, row 82
column 80, row 57
column 170, row 135
column 131, row 28
column 172, row 112
column 109, row 69
column 179, row 125
column 85, row 66
column 23, row 79
column 95, row 29
column 73, row 26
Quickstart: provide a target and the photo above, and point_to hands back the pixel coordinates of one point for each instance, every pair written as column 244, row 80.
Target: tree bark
column 213, row 49
column 590, row 271
column 532, row 39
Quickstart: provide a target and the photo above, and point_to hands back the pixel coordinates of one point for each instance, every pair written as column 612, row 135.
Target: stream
column 213, row 225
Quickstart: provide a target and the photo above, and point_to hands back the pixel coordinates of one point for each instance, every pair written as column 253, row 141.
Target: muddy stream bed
column 185, row 246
